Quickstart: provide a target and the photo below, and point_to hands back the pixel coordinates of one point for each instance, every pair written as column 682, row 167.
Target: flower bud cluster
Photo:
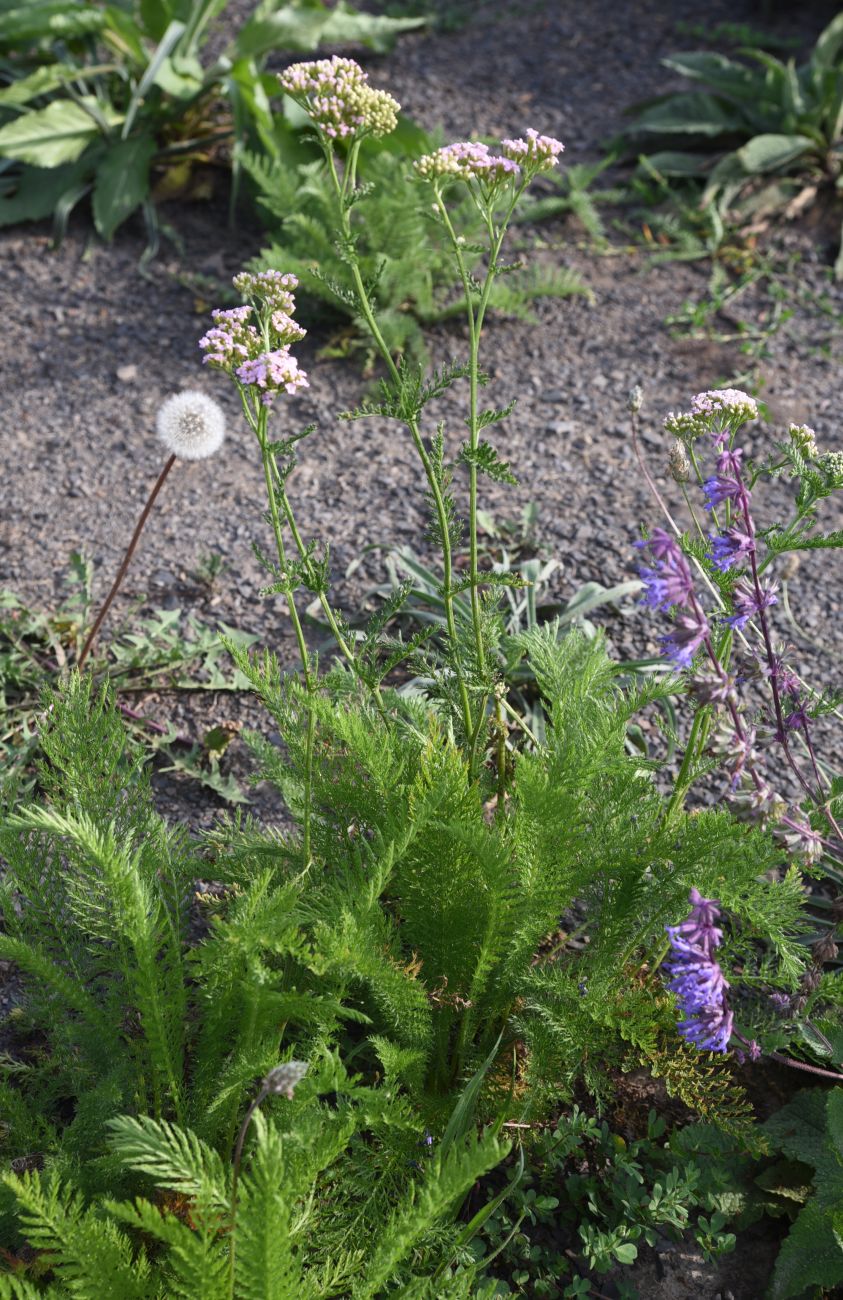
column 538, row 153
column 715, row 411
column 252, row 343
column 804, row 439
column 832, row 466
column 467, row 161
column 272, row 289
column 336, row 95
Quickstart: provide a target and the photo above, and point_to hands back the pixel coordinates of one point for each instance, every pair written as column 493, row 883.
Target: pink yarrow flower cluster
column 258, row 354
column 727, row 407
column 467, row 160
column 336, row 95
column 537, row 153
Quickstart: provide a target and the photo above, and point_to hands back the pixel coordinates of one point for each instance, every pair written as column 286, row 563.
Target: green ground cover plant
column 760, row 137
column 319, row 1059
column 160, row 649
column 118, row 103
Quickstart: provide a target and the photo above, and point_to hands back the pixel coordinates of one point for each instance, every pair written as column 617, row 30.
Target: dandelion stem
column 127, row 559
column 238, row 1155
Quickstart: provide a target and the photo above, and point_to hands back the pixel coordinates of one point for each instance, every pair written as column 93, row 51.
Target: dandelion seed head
column 283, row 1080
column 191, row 425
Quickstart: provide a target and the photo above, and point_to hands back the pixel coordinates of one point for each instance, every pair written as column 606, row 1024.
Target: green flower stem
column 475, row 327
column 258, row 423
column 700, row 729
column 235, row 1176
column 343, row 190
column 696, row 739
column 693, row 513
column 344, row 647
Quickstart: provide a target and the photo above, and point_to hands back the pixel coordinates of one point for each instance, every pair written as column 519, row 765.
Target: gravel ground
column 90, row 347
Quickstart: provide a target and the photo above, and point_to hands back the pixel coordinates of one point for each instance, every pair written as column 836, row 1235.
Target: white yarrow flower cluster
column 191, row 425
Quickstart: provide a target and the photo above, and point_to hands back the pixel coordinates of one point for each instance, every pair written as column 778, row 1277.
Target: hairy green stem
column 307, row 671
column 343, row 190
column 475, row 320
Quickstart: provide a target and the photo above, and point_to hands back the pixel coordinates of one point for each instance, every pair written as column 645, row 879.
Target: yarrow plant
column 337, row 97
column 409, row 917
column 254, row 349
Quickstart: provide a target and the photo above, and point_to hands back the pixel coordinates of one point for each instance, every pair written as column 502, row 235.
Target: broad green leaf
column 37, row 83
column 799, row 1129
column 675, row 162
column 181, row 78
column 693, row 114
column 39, row 192
column 378, row 33
column 156, row 16
column 53, row 135
column 122, row 182
column 304, row 25
column 829, row 44
column 49, row 20
column 766, row 153
column 810, row 1255
column 727, row 77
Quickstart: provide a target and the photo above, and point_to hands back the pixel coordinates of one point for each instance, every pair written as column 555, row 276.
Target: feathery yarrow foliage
column 416, row 918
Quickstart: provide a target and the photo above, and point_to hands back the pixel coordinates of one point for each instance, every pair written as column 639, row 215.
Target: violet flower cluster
column 336, row 95
column 252, row 343
column 696, row 977
column 668, row 585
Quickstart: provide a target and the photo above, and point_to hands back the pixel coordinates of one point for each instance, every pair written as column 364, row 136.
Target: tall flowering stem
column 252, row 345
column 344, row 109
column 343, row 188
column 495, row 183
column 718, row 415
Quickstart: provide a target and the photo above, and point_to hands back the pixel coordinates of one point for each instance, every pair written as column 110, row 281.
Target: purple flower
column 787, row 681
column 747, row 602
column 710, row 1030
column 684, row 641
column 667, row 585
column 718, row 489
column 699, row 929
column 797, row 719
column 732, row 547
column 729, row 462
column 669, row 581
column 696, row 978
column 710, row 688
